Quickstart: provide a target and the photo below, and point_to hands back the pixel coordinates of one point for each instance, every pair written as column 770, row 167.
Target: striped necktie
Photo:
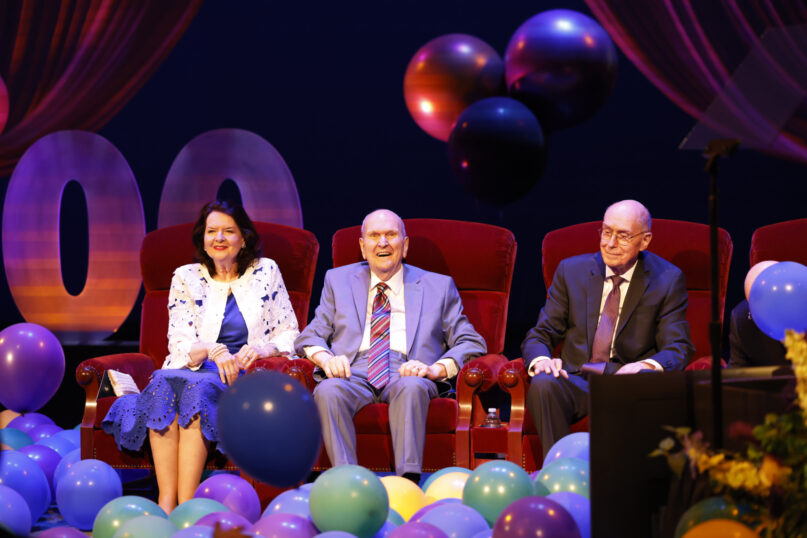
column 378, row 364
column 601, row 350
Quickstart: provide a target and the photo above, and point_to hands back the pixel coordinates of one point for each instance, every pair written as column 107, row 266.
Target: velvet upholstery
column 784, row 242
column 686, row 245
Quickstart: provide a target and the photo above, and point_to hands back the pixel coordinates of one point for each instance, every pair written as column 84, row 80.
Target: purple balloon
column 336, row 534
column 456, row 520
column 32, row 367
column 418, row 530
column 284, row 526
column 195, row 531
column 43, row 431
column 29, row 421
column 233, row 492
column 294, row 501
column 227, row 520
column 578, row 506
column 417, row 516
column 574, row 445
column 61, row 532
column 535, row 516
column 47, row 459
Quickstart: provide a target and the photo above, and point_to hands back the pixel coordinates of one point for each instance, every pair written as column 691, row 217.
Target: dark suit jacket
column 749, row 345
column 652, row 324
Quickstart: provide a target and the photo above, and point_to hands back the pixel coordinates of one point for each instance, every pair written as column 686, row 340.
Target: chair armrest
column 271, row 364
column 513, row 378
column 703, row 363
column 300, row 369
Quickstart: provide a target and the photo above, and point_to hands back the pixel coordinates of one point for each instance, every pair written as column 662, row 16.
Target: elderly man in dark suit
column 622, row 307
column 385, row 331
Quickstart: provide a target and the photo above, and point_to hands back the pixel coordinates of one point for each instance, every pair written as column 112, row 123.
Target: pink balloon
column 233, row 492
column 32, row 367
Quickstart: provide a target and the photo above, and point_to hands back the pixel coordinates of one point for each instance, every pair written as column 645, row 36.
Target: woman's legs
column 169, row 447
column 193, row 454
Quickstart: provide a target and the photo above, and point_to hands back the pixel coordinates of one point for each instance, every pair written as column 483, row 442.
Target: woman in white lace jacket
column 224, row 312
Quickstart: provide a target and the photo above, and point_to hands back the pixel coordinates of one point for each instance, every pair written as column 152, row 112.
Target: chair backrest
column 684, row 244
column 784, row 242
column 295, row 251
column 479, row 257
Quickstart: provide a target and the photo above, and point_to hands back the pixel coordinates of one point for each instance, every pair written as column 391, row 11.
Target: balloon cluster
column 558, row 70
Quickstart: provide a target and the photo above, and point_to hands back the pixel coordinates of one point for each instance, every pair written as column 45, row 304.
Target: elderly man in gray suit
column 385, row 331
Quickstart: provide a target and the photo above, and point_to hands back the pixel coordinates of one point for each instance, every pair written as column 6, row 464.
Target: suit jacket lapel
column 594, row 297
column 413, row 302
column 636, row 289
column 360, row 286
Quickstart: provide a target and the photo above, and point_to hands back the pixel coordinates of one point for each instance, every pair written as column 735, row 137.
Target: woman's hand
column 227, row 364
column 246, row 356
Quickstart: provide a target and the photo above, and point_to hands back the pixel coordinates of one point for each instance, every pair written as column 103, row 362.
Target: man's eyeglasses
column 623, row 238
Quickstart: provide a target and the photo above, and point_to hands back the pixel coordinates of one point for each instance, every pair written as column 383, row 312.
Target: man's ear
column 646, row 241
column 361, row 247
column 405, row 246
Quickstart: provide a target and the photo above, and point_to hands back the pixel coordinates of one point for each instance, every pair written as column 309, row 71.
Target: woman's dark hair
column 252, row 242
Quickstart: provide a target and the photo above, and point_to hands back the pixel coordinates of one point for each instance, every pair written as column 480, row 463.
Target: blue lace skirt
column 171, row 393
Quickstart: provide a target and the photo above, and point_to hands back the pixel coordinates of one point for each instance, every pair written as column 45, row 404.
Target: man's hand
column 550, row 366
column 417, row 368
column 333, row 365
column 634, row 367
column 245, row 356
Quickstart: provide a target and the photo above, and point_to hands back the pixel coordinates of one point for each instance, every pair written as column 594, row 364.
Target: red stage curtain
column 73, row 64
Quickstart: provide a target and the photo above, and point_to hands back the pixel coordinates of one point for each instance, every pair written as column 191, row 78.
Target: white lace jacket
column 196, row 309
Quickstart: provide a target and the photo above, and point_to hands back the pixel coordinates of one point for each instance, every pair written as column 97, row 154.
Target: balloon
column 118, row 511
column 753, row 273
column 335, row 534
column 29, row 421
column 386, row 528
column 150, row 526
column 456, row 520
column 496, row 150
column 535, row 516
column 59, row 443
column 233, row 492
column 578, row 507
column 574, row 445
column 349, row 498
column 405, row 497
column 445, row 470
column 484, row 534
column 61, row 532
column 778, row 299
column 566, row 474
column 429, row 507
column 705, row 510
column 15, row 516
column 14, row 438
column 494, row 485
column 195, row 531
column 23, row 475
column 269, row 426
column 84, row 490
column 47, row 459
column 447, row 486
column 64, row 466
column 192, row 510
column 720, row 527
column 6, row 416
column 563, row 65
column 294, row 501
column 32, row 367
column 395, row 517
column 284, row 526
column 43, row 431
column 71, row 435
column 445, row 76
column 226, row 520
column 418, row 530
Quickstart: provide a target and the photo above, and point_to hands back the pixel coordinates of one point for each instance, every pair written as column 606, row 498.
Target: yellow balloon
column 6, row 416
column 447, row 486
column 720, row 528
column 405, row 497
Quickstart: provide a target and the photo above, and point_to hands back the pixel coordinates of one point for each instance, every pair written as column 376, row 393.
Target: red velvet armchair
column 162, row 251
column 480, row 258
column 783, row 241
column 685, row 244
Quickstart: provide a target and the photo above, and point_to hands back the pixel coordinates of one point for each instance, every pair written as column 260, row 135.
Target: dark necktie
column 601, row 350
column 378, row 363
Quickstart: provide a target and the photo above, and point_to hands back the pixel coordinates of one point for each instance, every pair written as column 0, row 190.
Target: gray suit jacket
column 436, row 328
column 652, row 323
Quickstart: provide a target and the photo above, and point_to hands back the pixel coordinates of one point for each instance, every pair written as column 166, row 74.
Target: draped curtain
column 739, row 67
column 73, row 64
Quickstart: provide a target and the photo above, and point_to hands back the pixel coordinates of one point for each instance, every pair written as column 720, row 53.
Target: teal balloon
column 192, row 510
column 146, row 526
column 441, row 472
column 118, row 511
column 709, row 508
column 349, row 498
column 14, row 438
column 395, row 517
column 540, row 489
column 566, row 474
column 495, row 484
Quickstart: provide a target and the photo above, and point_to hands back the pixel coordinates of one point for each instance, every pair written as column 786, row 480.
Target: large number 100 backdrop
column 116, row 221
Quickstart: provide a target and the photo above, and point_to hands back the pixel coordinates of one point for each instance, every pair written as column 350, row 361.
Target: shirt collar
column 626, row 276
column 395, row 282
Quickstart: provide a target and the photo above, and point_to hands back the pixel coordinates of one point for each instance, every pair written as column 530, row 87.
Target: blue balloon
column 269, row 426
column 195, row 531
column 14, row 514
column 456, row 520
column 84, row 490
column 23, row 475
column 579, row 508
column 574, row 445
column 778, row 299
column 496, row 150
column 385, row 530
column 63, row 466
column 43, row 431
column 441, row 472
column 294, row 501
column 74, row 436
column 47, row 459
column 29, row 421
column 14, row 438
column 60, row 444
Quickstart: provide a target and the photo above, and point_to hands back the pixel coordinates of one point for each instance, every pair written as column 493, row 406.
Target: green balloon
column 566, row 474
column 540, row 489
column 118, row 511
column 150, row 526
column 441, row 472
column 349, row 498
column 494, row 485
column 395, row 517
column 192, row 510
column 710, row 508
column 14, row 438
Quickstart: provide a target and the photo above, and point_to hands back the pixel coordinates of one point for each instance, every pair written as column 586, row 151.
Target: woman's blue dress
column 177, row 392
